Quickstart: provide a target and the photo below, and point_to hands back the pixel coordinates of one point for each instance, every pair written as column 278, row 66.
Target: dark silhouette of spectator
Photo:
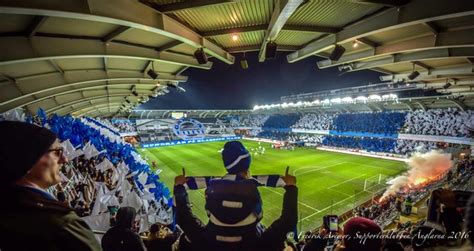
column 354, row 231
column 121, row 237
column 161, row 238
column 30, row 217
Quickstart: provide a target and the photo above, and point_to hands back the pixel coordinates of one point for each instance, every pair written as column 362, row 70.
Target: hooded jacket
column 121, row 237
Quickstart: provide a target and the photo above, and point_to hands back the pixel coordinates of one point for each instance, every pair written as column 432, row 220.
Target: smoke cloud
column 422, row 167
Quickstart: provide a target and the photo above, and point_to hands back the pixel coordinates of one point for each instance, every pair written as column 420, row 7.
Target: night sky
column 230, row 87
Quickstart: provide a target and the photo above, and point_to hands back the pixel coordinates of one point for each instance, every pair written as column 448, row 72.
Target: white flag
column 75, row 154
column 104, row 165
column 132, row 200
column 90, row 150
column 68, row 147
column 99, row 222
column 142, row 178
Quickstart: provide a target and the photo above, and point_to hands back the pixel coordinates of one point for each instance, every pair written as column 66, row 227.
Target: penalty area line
column 337, row 203
column 340, row 183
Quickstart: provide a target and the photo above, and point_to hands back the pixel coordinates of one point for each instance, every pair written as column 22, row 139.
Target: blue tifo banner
column 363, row 134
column 190, row 141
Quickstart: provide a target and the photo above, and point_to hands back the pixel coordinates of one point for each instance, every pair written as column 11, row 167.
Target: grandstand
column 89, row 71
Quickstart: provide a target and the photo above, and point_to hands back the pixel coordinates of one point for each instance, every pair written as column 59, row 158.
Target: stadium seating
column 273, row 134
column 380, row 122
column 281, row 121
column 122, row 125
column 405, row 147
column 368, row 144
column 314, row 121
column 249, row 121
column 447, row 122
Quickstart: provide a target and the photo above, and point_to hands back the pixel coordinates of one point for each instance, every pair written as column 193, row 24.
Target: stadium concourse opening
column 205, row 125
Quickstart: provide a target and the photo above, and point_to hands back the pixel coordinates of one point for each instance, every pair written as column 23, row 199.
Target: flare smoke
column 422, row 168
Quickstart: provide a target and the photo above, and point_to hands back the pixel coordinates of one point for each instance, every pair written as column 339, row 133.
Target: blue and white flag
column 195, row 183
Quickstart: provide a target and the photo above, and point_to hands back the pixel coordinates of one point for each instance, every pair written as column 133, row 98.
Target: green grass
column 328, row 182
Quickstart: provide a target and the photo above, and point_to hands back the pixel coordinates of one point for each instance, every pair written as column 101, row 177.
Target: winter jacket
column 32, row 220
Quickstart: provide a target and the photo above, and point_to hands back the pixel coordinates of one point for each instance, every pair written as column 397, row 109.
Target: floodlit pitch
column 329, row 182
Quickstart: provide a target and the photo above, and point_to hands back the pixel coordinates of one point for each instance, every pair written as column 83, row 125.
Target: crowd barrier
column 366, row 154
column 190, row 141
column 433, row 138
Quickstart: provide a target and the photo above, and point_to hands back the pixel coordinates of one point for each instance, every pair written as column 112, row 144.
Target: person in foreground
column 234, row 207
column 121, row 237
column 31, row 218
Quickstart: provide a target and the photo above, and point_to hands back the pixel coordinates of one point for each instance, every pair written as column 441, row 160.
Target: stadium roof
column 402, row 104
column 91, row 57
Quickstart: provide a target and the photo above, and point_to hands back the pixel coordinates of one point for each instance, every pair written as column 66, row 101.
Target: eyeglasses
column 58, row 151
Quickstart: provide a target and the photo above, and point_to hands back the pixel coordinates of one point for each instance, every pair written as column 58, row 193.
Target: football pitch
column 328, row 182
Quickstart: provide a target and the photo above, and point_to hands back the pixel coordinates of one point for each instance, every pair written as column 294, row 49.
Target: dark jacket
column 29, row 220
column 271, row 239
column 121, row 237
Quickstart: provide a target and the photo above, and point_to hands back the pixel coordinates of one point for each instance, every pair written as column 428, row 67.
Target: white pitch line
column 346, row 181
column 339, row 192
column 313, row 214
column 317, row 169
column 376, row 167
column 304, row 204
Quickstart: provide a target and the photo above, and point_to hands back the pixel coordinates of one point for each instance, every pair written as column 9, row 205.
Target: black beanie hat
column 22, row 146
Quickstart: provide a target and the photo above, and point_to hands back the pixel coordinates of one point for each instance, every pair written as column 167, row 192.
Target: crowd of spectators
column 376, row 122
column 314, row 121
column 124, row 125
column 249, row 120
column 361, row 143
column 306, row 138
column 440, row 122
column 405, row 147
column 281, row 121
column 273, row 135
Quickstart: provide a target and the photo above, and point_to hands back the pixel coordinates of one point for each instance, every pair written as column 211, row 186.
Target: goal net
column 375, row 183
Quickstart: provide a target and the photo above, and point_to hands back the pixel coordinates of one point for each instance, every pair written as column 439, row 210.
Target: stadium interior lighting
column 355, row 44
column 347, row 99
column 336, row 100
column 200, row 56
column 337, row 53
column 361, row 98
column 326, row 101
column 375, row 97
column 316, row 101
column 235, row 37
column 393, row 96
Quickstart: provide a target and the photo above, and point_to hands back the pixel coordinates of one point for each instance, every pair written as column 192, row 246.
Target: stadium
column 237, row 125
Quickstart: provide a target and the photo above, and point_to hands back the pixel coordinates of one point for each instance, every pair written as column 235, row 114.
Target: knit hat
column 22, row 146
column 357, row 228
column 236, row 158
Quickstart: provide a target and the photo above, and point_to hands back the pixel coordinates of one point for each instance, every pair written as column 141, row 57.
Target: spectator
column 121, row 237
column 314, row 121
column 355, row 229
column 234, row 208
column 447, row 122
column 30, row 217
column 378, row 122
column 161, row 238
